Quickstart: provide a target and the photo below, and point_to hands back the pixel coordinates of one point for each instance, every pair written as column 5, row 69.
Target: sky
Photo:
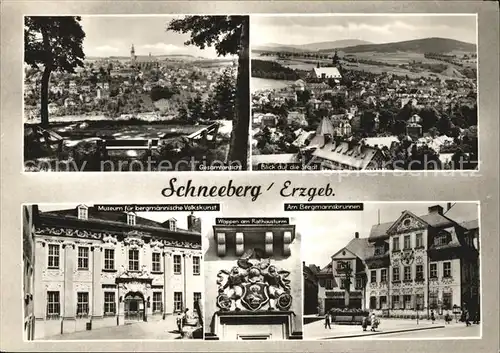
column 302, row 29
column 114, row 35
column 325, row 233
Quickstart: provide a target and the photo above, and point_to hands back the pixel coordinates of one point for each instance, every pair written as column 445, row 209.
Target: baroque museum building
column 96, row 268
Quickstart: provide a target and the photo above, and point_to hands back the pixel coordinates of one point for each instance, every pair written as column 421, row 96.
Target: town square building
column 406, row 267
column 95, row 268
column 253, row 282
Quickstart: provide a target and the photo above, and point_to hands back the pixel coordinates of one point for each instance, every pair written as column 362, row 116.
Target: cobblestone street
column 154, row 330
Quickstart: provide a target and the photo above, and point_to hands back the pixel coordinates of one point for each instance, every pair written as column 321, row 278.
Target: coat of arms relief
column 254, row 284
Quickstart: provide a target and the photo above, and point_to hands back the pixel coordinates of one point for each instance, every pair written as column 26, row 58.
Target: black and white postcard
column 364, row 92
column 135, row 93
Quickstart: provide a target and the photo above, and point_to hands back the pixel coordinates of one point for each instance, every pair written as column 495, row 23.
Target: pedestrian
column 433, row 316
column 374, row 322
column 447, row 318
column 180, row 320
column 364, row 323
column 327, row 321
column 467, row 318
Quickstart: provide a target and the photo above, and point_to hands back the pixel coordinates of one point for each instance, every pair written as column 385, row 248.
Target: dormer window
column 172, row 224
column 83, row 212
column 131, row 219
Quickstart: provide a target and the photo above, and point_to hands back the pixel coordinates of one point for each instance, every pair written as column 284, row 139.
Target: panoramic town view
column 111, row 93
column 393, row 270
column 364, row 92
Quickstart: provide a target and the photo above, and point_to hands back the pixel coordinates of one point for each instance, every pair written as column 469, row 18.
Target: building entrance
column 134, row 307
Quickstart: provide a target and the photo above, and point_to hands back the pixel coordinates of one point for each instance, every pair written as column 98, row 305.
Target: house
column 297, row 118
column 326, row 73
column 414, row 263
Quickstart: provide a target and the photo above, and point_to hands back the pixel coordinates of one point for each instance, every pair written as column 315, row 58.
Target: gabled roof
column 379, row 231
column 360, row 247
column 471, row 225
column 328, row 71
column 358, row 157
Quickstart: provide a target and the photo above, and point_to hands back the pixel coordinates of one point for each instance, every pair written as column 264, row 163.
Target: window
column 373, row 276
column 395, row 302
column 407, row 242
column 383, row 275
column 82, row 304
column 53, row 261
column 433, row 300
column 395, row 274
column 329, row 284
column 379, row 250
column 133, row 260
column 157, row 302
column 196, row 265
column 447, row 301
column 407, row 302
column 407, row 273
column 373, row 302
column 395, row 244
column 53, row 306
column 156, row 266
column 131, row 219
column 177, row 265
column 419, row 240
column 177, row 301
column 172, row 225
column 433, row 271
column 419, row 276
column 196, row 299
column 447, row 269
column 383, row 302
column 109, row 259
column 83, row 258
column 344, row 283
column 359, row 283
column 82, row 212
column 442, row 239
column 109, row 304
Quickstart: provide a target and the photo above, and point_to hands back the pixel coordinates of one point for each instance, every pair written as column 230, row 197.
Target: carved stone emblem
column 407, row 257
column 254, row 284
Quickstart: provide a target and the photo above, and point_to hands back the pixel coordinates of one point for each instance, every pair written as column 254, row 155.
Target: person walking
column 364, row 323
column 433, row 316
column 327, row 321
column 447, row 318
column 180, row 322
column 467, row 318
column 374, row 322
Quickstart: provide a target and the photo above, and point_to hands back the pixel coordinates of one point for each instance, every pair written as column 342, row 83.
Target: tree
column 230, row 36
column 52, row 44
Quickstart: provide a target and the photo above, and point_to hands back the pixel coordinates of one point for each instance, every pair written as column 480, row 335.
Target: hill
column 421, row 46
column 310, row 47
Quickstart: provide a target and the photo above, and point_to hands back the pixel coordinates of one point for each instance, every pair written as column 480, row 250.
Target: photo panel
column 392, row 270
column 136, row 93
column 252, row 280
column 114, row 272
column 364, row 92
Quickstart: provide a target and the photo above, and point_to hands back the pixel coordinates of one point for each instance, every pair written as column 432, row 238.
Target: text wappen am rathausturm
column 231, row 189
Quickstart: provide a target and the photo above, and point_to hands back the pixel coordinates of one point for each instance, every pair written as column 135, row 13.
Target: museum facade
column 412, row 265
column 95, row 268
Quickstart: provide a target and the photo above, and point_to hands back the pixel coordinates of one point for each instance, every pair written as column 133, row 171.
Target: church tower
column 132, row 55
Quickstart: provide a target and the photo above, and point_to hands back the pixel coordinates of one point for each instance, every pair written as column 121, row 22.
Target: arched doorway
column 135, row 307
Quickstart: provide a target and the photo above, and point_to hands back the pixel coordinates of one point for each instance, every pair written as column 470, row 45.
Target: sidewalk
column 316, row 330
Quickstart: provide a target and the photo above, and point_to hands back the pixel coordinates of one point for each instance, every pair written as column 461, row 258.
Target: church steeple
column 132, row 55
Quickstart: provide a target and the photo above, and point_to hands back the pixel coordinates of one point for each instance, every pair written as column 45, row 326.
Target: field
column 376, row 62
